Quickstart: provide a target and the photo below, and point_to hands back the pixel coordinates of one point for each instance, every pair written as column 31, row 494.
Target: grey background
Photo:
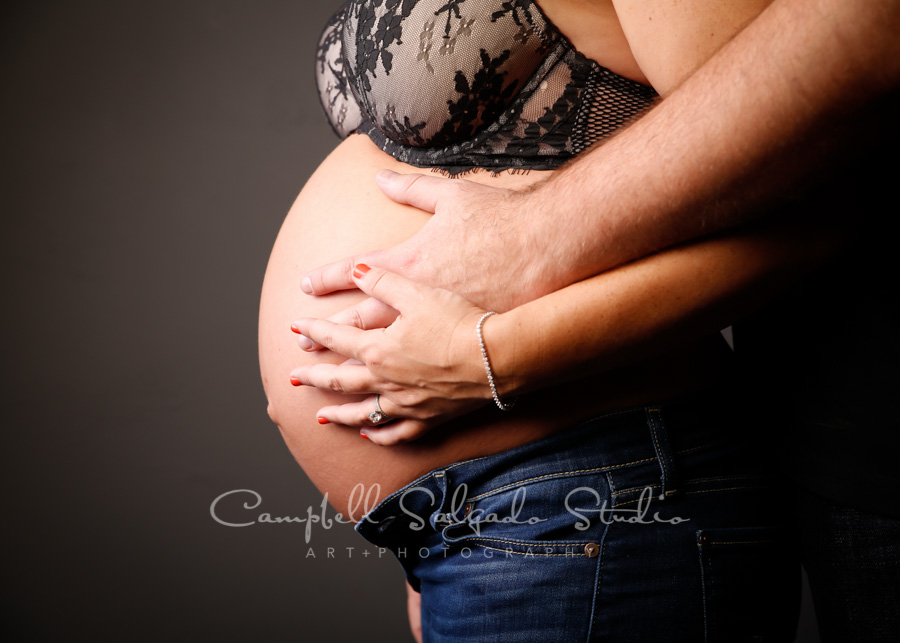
column 150, row 152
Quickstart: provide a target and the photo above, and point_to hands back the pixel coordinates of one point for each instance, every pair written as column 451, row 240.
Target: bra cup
column 459, row 85
column 427, row 73
column 336, row 93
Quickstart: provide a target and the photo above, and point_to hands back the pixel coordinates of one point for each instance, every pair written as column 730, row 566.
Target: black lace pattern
column 463, row 84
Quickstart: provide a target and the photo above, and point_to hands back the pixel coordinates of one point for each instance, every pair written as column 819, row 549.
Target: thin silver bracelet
column 504, row 406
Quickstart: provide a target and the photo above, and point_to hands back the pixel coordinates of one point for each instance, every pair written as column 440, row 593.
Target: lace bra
column 460, row 84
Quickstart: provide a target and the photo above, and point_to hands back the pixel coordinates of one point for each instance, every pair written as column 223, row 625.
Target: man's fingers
column 330, row 277
column 344, row 378
column 366, row 315
column 417, row 190
column 337, row 275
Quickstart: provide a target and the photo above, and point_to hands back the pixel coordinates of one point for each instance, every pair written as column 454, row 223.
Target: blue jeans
column 657, row 523
column 852, row 558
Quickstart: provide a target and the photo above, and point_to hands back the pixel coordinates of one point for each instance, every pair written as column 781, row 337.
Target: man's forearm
column 780, row 105
column 773, row 109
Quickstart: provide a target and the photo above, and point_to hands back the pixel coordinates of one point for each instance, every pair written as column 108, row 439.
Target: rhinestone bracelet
column 504, row 406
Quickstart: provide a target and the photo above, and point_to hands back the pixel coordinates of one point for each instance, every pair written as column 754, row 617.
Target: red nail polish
column 363, row 435
column 295, row 381
column 322, row 420
column 295, row 329
column 360, row 269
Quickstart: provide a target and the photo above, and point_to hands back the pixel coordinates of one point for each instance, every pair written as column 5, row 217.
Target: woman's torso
column 339, row 213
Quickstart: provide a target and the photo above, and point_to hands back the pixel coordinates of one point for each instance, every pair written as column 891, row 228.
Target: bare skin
column 427, row 368
column 335, row 457
column 360, row 218
column 653, row 207
column 800, row 88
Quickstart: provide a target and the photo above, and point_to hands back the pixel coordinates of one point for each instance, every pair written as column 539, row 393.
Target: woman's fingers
column 389, row 292
column 343, row 340
column 349, row 378
column 396, row 432
column 393, row 289
column 366, row 315
column 356, row 415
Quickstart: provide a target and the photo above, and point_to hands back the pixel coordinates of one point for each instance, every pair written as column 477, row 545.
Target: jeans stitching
column 759, row 486
column 599, row 580
column 477, row 543
column 633, row 489
column 656, row 425
column 559, row 474
column 736, row 478
column 702, row 586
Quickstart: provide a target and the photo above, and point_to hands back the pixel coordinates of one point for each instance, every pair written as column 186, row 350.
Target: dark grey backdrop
column 150, row 152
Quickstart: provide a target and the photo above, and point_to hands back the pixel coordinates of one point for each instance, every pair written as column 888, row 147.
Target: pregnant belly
column 340, row 212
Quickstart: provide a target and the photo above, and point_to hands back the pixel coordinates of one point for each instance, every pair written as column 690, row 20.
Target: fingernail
column 322, row 420
column 363, row 434
column 295, row 381
column 306, row 286
column 295, row 328
column 360, row 270
column 385, row 175
column 305, row 343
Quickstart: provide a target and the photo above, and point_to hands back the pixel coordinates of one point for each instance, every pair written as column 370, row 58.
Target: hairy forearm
column 651, row 305
column 773, row 110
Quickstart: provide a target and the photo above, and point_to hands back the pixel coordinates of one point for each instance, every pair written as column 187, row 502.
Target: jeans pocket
column 749, row 584
column 554, row 516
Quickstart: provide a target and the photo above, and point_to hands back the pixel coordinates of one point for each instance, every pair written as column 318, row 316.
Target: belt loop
column 663, row 450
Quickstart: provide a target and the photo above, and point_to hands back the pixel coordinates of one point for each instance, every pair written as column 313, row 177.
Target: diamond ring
column 378, row 416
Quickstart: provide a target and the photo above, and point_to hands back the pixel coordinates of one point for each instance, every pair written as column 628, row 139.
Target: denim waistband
column 635, row 446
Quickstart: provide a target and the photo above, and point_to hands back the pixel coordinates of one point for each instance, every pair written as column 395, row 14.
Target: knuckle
column 374, row 357
column 409, row 182
column 356, row 319
column 317, row 280
column 335, row 384
column 346, row 268
column 376, row 281
column 405, row 260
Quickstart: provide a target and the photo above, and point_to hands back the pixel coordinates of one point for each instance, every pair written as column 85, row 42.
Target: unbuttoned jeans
column 656, row 523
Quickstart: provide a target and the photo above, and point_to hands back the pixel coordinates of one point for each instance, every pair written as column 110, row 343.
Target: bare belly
column 340, row 212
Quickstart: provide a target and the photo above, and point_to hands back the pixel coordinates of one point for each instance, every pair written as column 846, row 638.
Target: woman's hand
column 426, row 365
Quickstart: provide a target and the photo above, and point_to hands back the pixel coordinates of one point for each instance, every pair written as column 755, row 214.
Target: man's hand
column 768, row 116
column 479, row 244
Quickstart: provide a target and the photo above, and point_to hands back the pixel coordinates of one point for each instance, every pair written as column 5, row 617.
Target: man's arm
column 793, row 94
column 428, row 367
